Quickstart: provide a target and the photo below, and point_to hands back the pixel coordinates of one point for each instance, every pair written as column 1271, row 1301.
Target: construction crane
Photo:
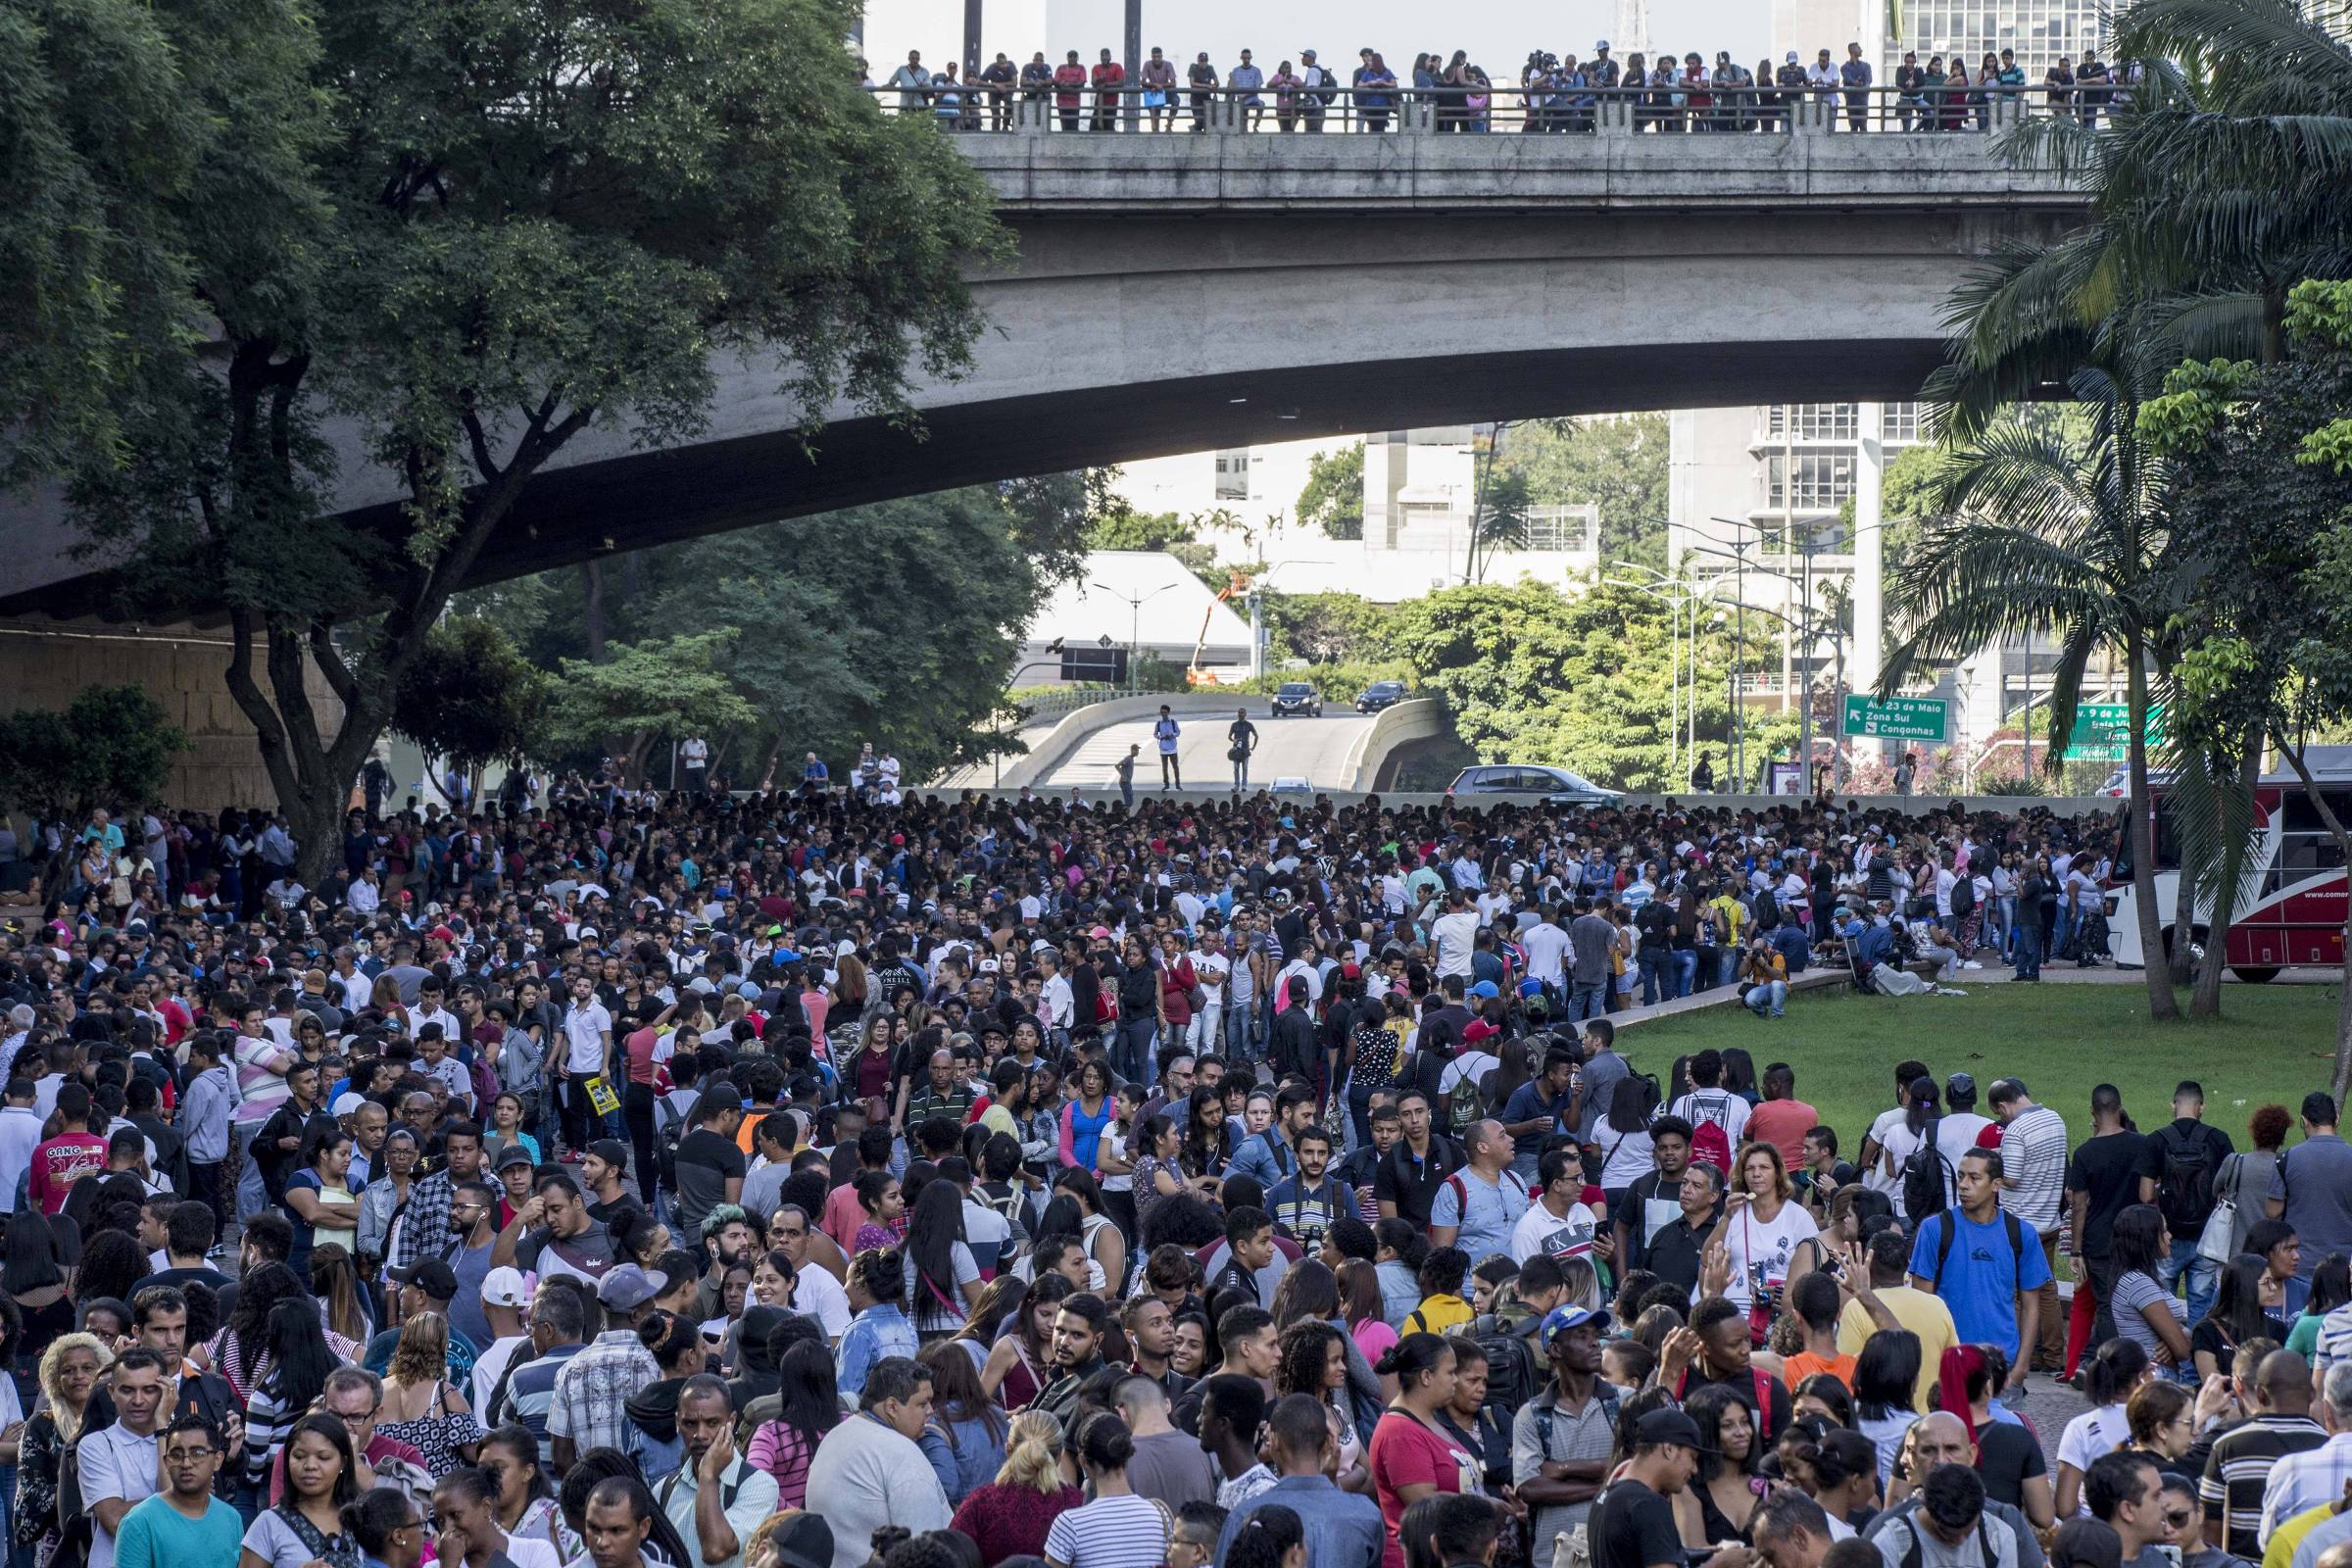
column 1238, row 587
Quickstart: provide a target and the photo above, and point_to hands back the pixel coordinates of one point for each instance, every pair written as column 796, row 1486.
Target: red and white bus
column 2290, row 902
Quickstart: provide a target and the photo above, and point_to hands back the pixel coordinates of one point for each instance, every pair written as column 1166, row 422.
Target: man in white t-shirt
column 1709, row 1100
column 588, row 1047
column 1556, row 1224
column 815, row 1292
column 694, row 764
column 1890, row 1124
column 1165, row 730
column 1455, row 933
column 1548, row 949
column 1211, row 966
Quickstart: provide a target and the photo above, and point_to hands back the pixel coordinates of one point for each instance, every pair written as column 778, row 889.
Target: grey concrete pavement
column 1313, row 749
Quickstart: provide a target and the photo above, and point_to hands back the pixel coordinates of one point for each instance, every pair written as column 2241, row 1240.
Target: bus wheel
column 2254, row 974
column 2196, row 943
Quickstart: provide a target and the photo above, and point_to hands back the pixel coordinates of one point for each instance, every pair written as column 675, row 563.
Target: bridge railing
column 1695, row 109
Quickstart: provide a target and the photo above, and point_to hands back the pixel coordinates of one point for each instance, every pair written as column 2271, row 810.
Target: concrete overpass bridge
column 1175, row 293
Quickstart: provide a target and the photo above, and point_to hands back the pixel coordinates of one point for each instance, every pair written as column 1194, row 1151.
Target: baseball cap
column 626, row 1288
column 430, row 1275
column 613, row 1151
column 1659, row 1429
column 506, row 1287
column 1600, row 43
column 1792, row 56
column 802, row 1540
column 1486, row 988
column 1560, row 1319
column 347, row 1103
column 512, row 1155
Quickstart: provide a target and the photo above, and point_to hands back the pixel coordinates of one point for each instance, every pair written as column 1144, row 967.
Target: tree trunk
column 2206, row 1001
column 2179, row 961
column 592, row 615
column 2162, row 1003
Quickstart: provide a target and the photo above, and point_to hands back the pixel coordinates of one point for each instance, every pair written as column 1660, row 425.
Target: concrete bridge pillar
column 1813, row 116
column 1417, row 116
column 1032, row 116
column 1614, row 116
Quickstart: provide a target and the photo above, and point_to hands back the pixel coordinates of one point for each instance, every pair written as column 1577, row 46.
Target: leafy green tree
column 470, row 698
column 1127, row 530
column 1331, row 628
column 1332, row 497
column 112, row 746
column 471, row 229
column 664, row 688
column 1618, row 461
column 2262, row 521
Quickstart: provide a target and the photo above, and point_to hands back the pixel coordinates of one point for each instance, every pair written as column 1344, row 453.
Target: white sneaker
column 1972, row 964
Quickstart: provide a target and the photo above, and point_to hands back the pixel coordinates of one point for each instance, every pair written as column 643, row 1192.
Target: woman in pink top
column 809, row 1407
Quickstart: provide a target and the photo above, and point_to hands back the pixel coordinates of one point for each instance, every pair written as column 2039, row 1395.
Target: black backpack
column 2185, row 1190
column 1925, row 1190
column 1964, row 896
column 1511, row 1375
column 669, row 1128
column 1766, row 909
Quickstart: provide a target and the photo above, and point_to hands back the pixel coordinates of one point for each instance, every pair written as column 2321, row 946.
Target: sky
column 1498, row 34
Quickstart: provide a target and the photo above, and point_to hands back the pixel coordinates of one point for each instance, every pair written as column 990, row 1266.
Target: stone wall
column 46, row 664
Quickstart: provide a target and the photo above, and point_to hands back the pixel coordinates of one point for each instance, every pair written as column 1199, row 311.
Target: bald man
column 1941, row 1438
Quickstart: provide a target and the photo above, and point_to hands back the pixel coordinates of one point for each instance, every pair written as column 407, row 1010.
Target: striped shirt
column 2238, row 1468
column 2034, row 1155
column 2335, row 1341
column 1127, row 1531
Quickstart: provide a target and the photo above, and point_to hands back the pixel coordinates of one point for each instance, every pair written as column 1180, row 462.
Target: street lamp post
column 1135, row 622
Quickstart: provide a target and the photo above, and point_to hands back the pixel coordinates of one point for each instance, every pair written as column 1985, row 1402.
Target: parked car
column 1379, row 695
column 1557, row 785
column 1297, row 697
column 1293, row 784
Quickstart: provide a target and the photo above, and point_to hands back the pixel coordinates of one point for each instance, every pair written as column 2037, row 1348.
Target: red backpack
column 1710, row 1144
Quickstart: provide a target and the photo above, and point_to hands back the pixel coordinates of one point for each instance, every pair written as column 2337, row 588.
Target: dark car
column 1297, row 697
column 1557, row 785
column 1379, row 695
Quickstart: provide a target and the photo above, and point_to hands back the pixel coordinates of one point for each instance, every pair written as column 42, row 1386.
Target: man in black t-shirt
column 711, row 1167
column 2103, row 1180
column 1408, row 1177
column 1632, row 1524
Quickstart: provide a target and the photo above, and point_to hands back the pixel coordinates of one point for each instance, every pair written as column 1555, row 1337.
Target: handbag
column 2214, row 1241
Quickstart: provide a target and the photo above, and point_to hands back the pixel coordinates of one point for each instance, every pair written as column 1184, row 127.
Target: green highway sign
column 1899, row 718
column 2102, row 732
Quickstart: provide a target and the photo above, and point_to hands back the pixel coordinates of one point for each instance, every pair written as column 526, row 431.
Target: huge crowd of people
column 797, row 1180
column 1550, row 92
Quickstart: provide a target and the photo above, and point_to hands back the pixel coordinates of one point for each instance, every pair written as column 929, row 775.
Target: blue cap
column 1486, row 988
column 1560, row 1319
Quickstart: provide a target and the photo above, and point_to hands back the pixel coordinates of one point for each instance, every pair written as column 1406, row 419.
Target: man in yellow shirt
column 1886, row 1302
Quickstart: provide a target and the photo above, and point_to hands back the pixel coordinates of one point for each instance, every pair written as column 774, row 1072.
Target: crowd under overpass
column 1176, row 293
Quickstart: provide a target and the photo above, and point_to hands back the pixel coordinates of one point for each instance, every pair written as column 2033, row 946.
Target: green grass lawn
column 2272, row 1045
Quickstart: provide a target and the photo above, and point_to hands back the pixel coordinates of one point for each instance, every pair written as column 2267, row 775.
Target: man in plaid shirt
column 590, row 1391
column 424, row 1231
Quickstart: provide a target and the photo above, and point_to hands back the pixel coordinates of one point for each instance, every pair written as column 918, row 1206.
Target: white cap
column 347, row 1103
column 507, row 1287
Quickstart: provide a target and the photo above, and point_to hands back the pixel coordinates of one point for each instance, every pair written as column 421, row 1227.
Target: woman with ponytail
column 1009, row 1516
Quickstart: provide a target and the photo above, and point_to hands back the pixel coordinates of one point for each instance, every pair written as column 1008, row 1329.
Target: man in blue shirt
column 1477, row 1208
column 1533, row 1112
column 1267, row 1157
column 184, row 1523
column 1343, row 1529
column 1985, row 1265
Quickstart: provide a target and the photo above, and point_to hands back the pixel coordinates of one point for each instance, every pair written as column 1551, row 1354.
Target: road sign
column 2102, row 732
column 1107, row 667
column 1899, row 718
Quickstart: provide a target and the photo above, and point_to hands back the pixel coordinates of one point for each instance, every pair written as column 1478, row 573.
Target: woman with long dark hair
column 1885, row 1382
column 1729, row 1487
column 1313, row 1360
column 32, row 1277
column 113, row 1263
column 1021, row 1364
column 2146, row 1312
column 2238, row 1317
column 236, row 1352
column 307, row 1526
column 290, row 1376
column 942, row 1282
column 809, row 1407
column 1624, row 1138
column 964, row 1439
column 1208, row 1143
column 525, row 1502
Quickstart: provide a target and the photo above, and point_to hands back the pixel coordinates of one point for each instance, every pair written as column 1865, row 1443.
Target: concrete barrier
column 1916, row 805
column 1420, row 719
column 1049, row 752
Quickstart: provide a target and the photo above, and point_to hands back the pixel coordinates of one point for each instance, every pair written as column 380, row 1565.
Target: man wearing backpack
column 2180, row 1164
column 1560, row 1440
column 1718, row 1117
column 1478, row 1206
column 1985, row 1264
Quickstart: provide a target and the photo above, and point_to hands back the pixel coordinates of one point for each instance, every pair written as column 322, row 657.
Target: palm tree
column 2053, row 522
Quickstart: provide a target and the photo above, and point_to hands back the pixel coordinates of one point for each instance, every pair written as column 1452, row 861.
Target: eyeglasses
column 188, row 1455
column 2179, row 1518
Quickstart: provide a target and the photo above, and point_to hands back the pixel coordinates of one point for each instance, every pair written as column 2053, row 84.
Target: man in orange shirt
column 1816, row 1301
column 1783, row 1119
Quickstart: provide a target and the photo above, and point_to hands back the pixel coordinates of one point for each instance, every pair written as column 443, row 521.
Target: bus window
column 2168, row 842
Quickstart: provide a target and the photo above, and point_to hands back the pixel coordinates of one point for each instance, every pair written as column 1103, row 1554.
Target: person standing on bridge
column 1125, row 769
column 1110, row 76
column 1166, row 731
column 1244, row 736
column 1854, row 75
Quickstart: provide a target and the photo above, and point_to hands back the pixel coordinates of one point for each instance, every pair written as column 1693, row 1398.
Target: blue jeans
column 1726, row 965
column 1241, row 771
column 2203, row 1275
column 2029, row 951
column 1686, row 970
column 1586, row 1002
column 1772, row 994
column 1132, row 1049
column 1657, row 975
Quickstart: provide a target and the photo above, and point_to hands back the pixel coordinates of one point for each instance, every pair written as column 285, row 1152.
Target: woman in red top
column 1412, row 1457
column 1176, row 982
column 1022, row 1362
column 1009, row 1516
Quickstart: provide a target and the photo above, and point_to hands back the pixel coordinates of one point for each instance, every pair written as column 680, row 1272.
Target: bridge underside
column 1117, row 338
